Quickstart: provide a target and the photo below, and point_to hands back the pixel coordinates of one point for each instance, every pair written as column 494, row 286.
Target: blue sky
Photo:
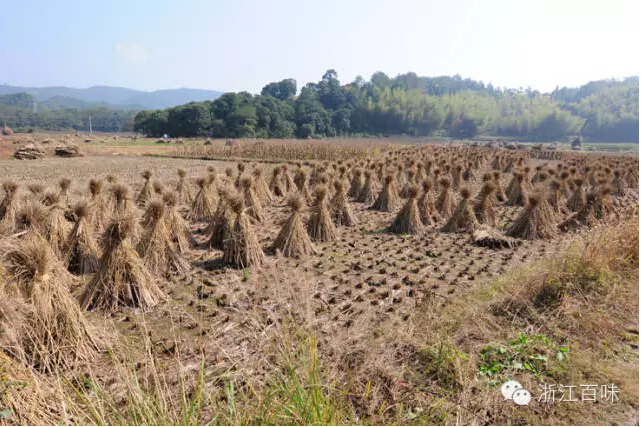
column 235, row 45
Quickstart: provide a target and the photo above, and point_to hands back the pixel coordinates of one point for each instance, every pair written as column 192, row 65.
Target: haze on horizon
column 245, row 44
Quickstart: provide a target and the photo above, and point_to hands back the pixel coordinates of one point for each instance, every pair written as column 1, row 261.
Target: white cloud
column 131, row 51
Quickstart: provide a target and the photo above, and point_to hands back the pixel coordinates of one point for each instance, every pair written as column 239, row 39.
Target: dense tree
column 102, row 119
column 283, row 90
column 408, row 104
column 604, row 110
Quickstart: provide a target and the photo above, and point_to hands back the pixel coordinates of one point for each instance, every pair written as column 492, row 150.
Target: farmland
column 337, row 281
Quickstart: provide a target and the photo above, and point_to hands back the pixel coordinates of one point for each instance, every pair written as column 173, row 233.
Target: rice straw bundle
column 156, row 247
column 293, row 240
column 339, row 207
column 122, row 278
column 320, row 225
column 241, row 247
column 408, row 219
column 80, row 251
column 388, row 199
column 463, row 219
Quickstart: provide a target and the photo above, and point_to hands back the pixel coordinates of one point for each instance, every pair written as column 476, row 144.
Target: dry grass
column 283, row 150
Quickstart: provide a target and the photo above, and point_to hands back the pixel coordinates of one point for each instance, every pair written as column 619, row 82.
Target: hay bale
column 300, row 180
column 122, row 278
column 54, row 226
column 68, row 150
column 463, row 218
column 80, row 251
column 426, row 204
column 356, row 184
column 6, row 130
column 182, row 187
column 293, row 240
column 536, row 220
column 483, row 208
column 276, row 186
column 408, row 183
column 321, row 228
column 260, row 185
column 202, row 207
column 366, row 194
column 287, row 179
column 598, row 206
column 30, row 152
column 388, row 199
column 56, row 332
column 177, row 227
column 408, row 219
column 490, row 238
column 121, row 203
column 8, row 207
column 97, row 206
column 146, row 192
column 222, row 220
column 241, row 247
column 252, row 202
column 517, row 192
column 64, row 184
column 339, row 207
column 159, row 188
column 156, row 247
column 578, row 199
column 556, row 198
column 445, row 203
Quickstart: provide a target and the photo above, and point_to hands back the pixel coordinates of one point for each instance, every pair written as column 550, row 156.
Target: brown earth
column 365, row 285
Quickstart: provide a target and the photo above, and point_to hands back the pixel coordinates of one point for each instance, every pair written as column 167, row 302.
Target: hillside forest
column 604, row 110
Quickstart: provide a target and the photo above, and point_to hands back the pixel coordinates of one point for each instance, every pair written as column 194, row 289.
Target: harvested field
column 362, row 313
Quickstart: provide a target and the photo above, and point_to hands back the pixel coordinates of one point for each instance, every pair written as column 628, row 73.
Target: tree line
column 605, row 110
column 23, row 112
column 407, row 105
column 103, row 119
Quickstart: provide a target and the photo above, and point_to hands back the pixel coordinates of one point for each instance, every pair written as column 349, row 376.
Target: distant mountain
column 27, row 101
column 62, row 102
column 18, row 100
column 171, row 97
column 113, row 96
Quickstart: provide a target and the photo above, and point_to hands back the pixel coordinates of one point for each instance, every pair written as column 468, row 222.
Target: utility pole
column 90, row 129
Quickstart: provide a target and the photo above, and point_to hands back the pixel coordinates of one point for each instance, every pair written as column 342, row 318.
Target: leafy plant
column 536, row 354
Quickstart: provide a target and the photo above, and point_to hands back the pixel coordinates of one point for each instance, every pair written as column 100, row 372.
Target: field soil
column 362, row 296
